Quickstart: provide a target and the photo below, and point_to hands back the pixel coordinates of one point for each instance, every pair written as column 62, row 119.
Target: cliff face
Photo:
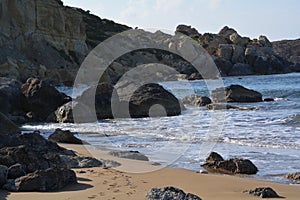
column 45, row 38
column 289, row 49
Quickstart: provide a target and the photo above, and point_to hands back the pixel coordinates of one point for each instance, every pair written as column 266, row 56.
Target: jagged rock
column 16, row 171
column 289, row 49
column 240, row 69
column 188, row 30
column 3, row 175
column 293, row 176
column 225, row 51
column 238, row 40
column 42, row 99
column 7, row 126
column 64, row 137
column 264, row 192
column 134, row 155
column 169, row 193
column 269, row 99
column 32, row 151
column 196, row 100
column 264, row 41
column 226, row 31
column 235, row 93
column 216, row 163
column 47, row 180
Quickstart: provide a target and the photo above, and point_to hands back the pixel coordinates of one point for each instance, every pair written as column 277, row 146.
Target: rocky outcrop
column 41, row 99
column 215, row 163
column 289, row 49
column 48, row 40
column 3, row 175
column 264, row 192
column 64, row 137
column 16, row 171
column 134, row 155
column 196, row 100
column 169, row 193
column 235, row 93
column 47, row 180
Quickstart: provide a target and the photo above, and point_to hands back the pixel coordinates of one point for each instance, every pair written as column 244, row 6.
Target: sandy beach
column 105, row 184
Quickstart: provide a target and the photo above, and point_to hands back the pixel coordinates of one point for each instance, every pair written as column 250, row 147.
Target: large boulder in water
column 235, row 93
column 215, row 163
column 170, row 193
column 42, row 99
column 153, row 100
column 196, row 100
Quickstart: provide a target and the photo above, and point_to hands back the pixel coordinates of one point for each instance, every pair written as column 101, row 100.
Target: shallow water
column 269, row 136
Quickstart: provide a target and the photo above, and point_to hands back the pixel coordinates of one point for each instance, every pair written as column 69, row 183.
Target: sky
column 276, row 19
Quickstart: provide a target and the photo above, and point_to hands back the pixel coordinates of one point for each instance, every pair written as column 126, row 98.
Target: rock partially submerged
column 215, row 163
column 263, row 192
column 168, row 193
column 293, row 176
column 64, row 137
column 225, row 106
column 196, row 100
column 134, row 155
column 235, row 93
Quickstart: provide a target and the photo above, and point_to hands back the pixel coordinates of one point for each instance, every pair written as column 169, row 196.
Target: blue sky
column 277, row 19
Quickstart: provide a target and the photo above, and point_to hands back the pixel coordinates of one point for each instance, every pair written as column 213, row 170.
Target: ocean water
column 269, row 136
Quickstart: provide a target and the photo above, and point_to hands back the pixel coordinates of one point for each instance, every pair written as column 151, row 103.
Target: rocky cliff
column 289, row 49
column 47, row 39
column 238, row 55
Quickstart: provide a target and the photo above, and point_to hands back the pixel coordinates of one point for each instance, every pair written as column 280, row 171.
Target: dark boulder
column 264, row 192
column 103, row 96
column 16, row 171
column 216, row 163
column 81, row 162
column 134, row 155
column 235, row 93
column 153, row 100
column 7, row 126
column 196, row 100
column 48, row 180
column 64, row 137
column 42, row 99
column 225, row 106
column 168, row 193
column 3, row 174
column 269, row 99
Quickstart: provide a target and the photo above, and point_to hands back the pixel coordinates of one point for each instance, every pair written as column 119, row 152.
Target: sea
column 269, row 135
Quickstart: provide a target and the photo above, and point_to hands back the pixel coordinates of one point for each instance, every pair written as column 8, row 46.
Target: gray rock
column 45, row 180
column 225, row 51
column 264, row 192
column 225, row 106
column 169, row 193
column 196, row 100
column 64, row 137
column 216, row 163
column 235, row 93
column 238, row 54
column 134, row 155
column 264, row 41
column 80, row 162
column 16, row 171
column 7, row 126
column 3, row 175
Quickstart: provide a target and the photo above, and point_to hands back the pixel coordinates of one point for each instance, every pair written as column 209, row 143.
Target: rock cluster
column 264, row 192
column 215, row 163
